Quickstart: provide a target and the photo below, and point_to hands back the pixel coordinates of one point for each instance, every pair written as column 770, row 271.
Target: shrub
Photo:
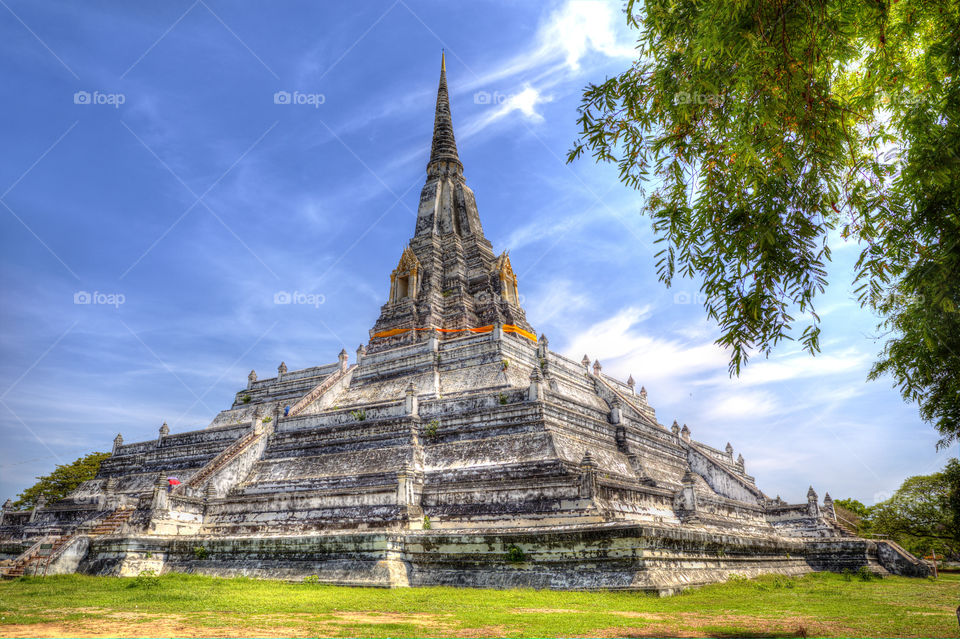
column 359, row 415
column 267, row 420
column 430, row 430
column 246, row 399
column 426, row 522
column 312, row 579
column 515, row 555
column 865, row 574
column 504, row 364
column 503, row 398
column 146, row 579
column 200, row 552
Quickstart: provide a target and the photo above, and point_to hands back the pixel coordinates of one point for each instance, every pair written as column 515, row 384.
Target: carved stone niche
column 405, row 279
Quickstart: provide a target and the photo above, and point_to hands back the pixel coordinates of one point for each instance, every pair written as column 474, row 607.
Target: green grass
column 191, row 605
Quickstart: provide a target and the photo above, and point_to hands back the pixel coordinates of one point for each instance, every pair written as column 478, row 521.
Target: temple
column 455, row 449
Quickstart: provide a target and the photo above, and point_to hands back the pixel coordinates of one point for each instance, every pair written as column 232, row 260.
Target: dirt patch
column 637, row 615
column 154, row 628
column 543, row 611
column 702, row 625
column 386, row 617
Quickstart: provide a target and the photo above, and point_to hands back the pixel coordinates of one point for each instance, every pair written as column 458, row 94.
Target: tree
column 61, row 482
column 854, row 506
column 755, row 130
column 922, row 514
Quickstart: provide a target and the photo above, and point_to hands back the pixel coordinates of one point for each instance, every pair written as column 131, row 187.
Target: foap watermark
column 495, row 98
column 297, row 297
column 99, row 299
column 99, row 98
column 299, row 98
column 685, row 97
column 684, row 297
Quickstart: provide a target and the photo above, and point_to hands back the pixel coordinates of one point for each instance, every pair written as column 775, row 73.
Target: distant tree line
column 61, row 482
column 923, row 515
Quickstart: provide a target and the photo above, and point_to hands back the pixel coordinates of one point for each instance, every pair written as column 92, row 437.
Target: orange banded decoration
column 507, row 328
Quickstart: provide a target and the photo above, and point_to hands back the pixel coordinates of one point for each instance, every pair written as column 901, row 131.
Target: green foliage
column 921, row 515
column 504, row 364
column 764, row 127
column 146, row 579
column 426, row 522
column 199, row 552
column 246, row 399
column 502, row 398
column 515, row 555
column 267, row 420
column 312, row 580
column 359, row 415
column 865, row 574
column 430, row 430
column 62, row 481
column 852, row 505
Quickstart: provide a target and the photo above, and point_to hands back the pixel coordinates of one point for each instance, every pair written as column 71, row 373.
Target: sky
column 174, row 170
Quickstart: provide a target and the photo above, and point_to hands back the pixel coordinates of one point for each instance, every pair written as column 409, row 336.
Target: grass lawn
column 190, row 606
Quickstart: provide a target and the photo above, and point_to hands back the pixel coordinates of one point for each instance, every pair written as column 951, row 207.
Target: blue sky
column 148, row 165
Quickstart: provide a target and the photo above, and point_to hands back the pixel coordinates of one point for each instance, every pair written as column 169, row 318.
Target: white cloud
column 582, row 26
column 799, row 365
column 743, row 405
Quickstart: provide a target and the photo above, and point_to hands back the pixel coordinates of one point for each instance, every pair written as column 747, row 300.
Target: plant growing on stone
column 267, row 420
column 246, row 399
column 504, row 364
column 312, row 579
column 502, row 398
column 199, row 552
column 426, row 522
column 430, row 430
column 359, row 415
column 515, row 555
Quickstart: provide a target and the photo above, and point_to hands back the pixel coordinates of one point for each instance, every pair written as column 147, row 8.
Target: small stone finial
column 688, row 478
column 675, row 428
column 251, row 378
column 117, row 441
column 535, row 374
column 282, row 368
column 740, row 460
column 585, row 361
column 543, row 340
column 410, row 389
column 811, row 495
column 643, row 393
column 729, row 449
column 361, row 351
column 164, row 429
column 587, row 460
column 685, row 433
column 828, row 506
column 8, row 505
column 343, row 358
column 597, row 367
column 630, row 382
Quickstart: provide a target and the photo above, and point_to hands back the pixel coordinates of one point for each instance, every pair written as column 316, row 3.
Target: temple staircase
column 47, row 549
